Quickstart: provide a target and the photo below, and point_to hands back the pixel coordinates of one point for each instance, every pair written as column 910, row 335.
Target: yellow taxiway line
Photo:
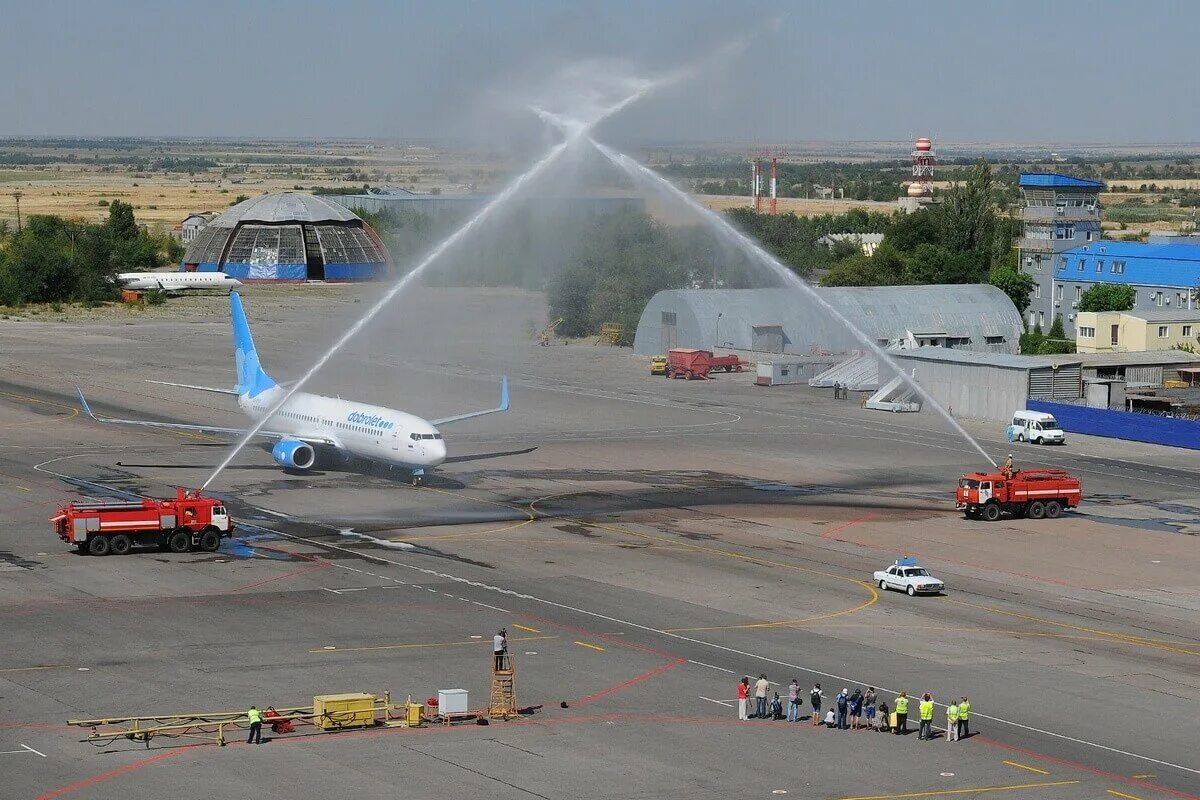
column 1027, row 767
column 975, row 790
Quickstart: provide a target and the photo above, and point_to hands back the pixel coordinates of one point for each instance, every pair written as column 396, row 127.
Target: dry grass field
column 157, row 202
column 800, row 206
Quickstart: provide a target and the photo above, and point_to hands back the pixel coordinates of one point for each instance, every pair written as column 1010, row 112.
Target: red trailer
column 727, row 363
column 187, row 521
column 691, row 363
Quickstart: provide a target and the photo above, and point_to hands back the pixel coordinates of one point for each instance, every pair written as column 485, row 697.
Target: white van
column 1037, row 427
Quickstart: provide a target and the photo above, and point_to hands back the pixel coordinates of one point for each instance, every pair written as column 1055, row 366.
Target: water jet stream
column 643, row 174
column 572, row 135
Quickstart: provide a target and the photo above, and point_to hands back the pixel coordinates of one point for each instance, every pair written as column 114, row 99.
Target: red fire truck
column 1033, row 493
column 187, row 521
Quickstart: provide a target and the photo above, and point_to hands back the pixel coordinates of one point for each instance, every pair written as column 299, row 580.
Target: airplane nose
column 437, row 450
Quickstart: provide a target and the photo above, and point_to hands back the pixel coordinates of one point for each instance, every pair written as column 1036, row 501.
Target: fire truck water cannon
column 188, row 521
column 1033, row 493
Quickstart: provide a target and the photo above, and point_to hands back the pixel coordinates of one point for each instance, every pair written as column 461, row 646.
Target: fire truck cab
column 1033, row 493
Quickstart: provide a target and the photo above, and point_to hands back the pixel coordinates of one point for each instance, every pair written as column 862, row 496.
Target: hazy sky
column 1009, row 71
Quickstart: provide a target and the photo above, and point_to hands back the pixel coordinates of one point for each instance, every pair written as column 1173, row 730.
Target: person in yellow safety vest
column 255, row 717
column 952, row 722
column 902, row 714
column 964, row 715
column 926, row 729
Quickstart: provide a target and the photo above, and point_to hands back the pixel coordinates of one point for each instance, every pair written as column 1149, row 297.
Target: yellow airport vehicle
column 658, row 365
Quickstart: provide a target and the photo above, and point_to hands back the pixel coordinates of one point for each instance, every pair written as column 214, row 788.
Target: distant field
column 156, row 201
column 800, row 206
column 1162, row 183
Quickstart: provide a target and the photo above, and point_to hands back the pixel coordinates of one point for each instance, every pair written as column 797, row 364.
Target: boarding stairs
column 896, row 395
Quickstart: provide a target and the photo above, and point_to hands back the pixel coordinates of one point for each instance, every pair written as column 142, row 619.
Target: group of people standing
column 853, row 711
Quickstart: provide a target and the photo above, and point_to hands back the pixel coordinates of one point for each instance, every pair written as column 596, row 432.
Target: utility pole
column 17, row 197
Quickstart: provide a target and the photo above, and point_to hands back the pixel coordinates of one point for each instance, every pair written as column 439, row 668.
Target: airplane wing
column 212, row 389
column 498, row 409
column 180, row 426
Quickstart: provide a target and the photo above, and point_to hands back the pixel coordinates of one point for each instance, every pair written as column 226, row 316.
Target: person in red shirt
column 743, row 696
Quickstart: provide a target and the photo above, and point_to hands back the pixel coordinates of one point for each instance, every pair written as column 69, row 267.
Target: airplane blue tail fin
column 251, row 379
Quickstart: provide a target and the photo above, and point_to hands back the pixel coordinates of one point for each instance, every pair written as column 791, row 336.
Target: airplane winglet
column 503, row 394
column 83, row 402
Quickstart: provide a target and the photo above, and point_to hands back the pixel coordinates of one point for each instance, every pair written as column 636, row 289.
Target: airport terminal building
column 288, row 236
column 975, row 317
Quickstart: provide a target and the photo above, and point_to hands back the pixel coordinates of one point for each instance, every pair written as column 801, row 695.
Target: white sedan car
column 907, row 576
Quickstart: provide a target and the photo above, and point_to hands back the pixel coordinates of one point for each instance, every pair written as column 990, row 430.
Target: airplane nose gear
column 418, row 477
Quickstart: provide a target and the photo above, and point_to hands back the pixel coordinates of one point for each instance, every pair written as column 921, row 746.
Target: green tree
column 1016, row 284
column 967, row 214
column 909, row 231
column 121, row 222
column 1056, row 328
column 1107, row 297
column 930, row 263
column 886, row 267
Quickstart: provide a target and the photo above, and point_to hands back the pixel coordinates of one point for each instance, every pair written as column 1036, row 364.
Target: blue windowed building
column 1164, row 277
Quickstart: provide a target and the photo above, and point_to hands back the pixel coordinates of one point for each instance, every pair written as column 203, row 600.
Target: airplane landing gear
column 418, row 477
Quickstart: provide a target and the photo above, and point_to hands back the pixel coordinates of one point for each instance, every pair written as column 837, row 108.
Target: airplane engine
column 291, row 454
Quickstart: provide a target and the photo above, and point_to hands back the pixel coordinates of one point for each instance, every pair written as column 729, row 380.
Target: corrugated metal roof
column 1139, row 358
column 974, row 311
column 1053, row 180
column 951, row 355
column 284, row 207
column 1175, row 265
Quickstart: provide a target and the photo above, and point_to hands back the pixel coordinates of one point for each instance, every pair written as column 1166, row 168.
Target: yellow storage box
column 335, row 711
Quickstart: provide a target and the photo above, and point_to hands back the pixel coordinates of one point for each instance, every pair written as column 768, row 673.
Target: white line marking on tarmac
column 273, row 513
column 326, row 588
column 714, row 646
column 718, row 702
column 711, row 666
column 493, row 608
column 647, row 628
column 24, row 749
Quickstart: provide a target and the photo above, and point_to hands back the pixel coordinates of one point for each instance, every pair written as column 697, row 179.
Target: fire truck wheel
column 210, row 540
column 179, row 542
column 1053, row 509
column 1036, row 510
column 98, row 545
column 120, row 545
column 991, row 512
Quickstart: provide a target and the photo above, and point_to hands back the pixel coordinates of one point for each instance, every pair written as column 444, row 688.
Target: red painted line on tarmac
column 1112, row 776
column 847, row 524
column 321, row 564
column 101, row 777
column 636, row 679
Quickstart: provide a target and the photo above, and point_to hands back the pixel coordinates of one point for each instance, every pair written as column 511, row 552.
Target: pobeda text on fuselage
column 307, row 423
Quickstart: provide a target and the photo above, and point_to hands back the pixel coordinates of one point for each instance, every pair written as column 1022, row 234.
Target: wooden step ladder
column 502, row 703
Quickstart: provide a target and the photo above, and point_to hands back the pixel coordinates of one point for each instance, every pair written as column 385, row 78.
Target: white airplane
column 307, row 422
column 177, row 281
